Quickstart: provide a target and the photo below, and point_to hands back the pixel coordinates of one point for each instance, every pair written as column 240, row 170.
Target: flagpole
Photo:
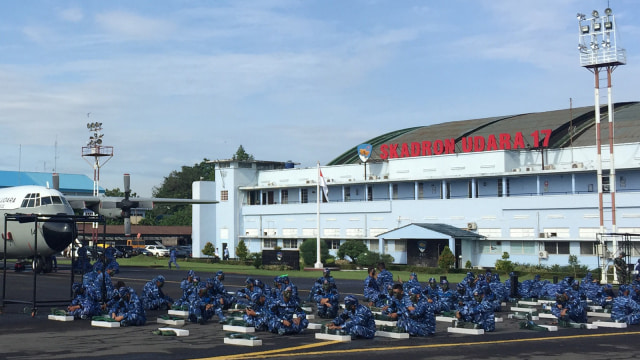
column 318, row 264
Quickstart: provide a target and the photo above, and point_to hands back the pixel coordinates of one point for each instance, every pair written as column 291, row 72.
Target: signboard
column 503, row 141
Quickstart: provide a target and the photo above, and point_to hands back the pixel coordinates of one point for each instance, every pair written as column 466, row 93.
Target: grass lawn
column 202, row 266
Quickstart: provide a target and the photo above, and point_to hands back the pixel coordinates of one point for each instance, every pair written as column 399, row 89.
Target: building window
column 347, row 193
column 290, row 243
column 224, row 195
column 333, row 244
column 304, row 196
column 588, row 247
column 420, row 190
column 523, row 247
column 284, row 194
column 557, row 247
column 369, row 193
column 269, row 243
column 394, row 191
column 491, row 247
column 401, row 245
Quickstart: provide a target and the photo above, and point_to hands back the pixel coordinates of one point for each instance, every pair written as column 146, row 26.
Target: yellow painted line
column 272, row 353
column 279, row 352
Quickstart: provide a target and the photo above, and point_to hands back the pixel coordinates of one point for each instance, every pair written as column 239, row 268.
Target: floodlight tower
column 599, row 51
column 97, row 151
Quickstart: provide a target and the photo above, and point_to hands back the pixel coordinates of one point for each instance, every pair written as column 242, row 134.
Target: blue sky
column 174, row 82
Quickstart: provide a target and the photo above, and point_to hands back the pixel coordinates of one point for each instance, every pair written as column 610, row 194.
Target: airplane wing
column 110, row 206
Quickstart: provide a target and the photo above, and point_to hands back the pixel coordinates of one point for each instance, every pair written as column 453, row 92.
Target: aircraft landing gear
column 37, row 264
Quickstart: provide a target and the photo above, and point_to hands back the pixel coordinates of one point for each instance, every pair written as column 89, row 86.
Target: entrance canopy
column 425, row 241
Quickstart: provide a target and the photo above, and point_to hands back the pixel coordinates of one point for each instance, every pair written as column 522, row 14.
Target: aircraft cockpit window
column 56, row 200
column 46, row 200
column 30, row 200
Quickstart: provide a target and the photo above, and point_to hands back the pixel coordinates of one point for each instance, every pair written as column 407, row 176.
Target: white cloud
column 72, row 14
column 130, row 26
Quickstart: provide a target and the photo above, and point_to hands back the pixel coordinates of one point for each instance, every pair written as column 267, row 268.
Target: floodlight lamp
column 99, row 141
column 608, row 25
column 88, row 125
column 608, row 11
column 597, row 26
column 581, row 16
column 595, row 13
column 584, row 29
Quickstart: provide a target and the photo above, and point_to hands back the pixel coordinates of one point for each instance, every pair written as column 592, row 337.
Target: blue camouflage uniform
column 624, row 308
column 356, row 319
column 372, row 291
column 243, row 296
column 202, row 307
column 189, row 286
column 130, row 307
column 82, row 264
column 418, row 318
column 569, row 309
column 411, row 283
column 259, row 305
column 152, row 296
column 479, row 311
column 286, row 282
column 283, row 321
column 110, row 259
column 385, row 279
column 172, row 259
column 88, row 305
column 218, row 291
column 327, row 301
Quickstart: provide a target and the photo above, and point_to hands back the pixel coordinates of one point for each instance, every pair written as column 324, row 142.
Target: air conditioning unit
column 543, row 254
column 577, row 165
column 472, row 226
column 549, row 167
column 528, row 168
column 385, row 177
column 542, row 235
column 517, row 169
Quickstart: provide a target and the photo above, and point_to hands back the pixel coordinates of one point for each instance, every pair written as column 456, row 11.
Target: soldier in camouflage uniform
column 128, row 310
column 356, row 320
column 152, row 296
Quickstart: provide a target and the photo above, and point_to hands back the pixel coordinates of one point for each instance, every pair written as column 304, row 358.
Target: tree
column 241, row 251
column 178, row 184
column 353, row 249
column 242, row 155
column 446, row 259
column 504, row 265
column 372, row 258
column 209, row 249
column 308, row 251
column 573, row 262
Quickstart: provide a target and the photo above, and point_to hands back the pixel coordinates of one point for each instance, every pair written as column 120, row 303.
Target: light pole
column 598, row 48
column 96, row 150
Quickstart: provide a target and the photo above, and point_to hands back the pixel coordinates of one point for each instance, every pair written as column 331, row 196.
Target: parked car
column 158, row 250
column 126, row 250
column 180, row 252
column 143, row 251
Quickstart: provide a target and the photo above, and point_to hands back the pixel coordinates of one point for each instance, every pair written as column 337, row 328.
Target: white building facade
column 506, row 192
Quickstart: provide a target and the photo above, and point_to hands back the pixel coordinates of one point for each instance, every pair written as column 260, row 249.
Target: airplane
column 54, row 232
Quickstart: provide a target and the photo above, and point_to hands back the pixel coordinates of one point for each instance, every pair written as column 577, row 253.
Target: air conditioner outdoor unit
column 528, row 168
column 385, row 177
column 308, row 181
column 543, row 254
column 542, row 235
column 577, row 165
column 371, row 177
column 472, row 226
column 549, row 167
column 517, row 169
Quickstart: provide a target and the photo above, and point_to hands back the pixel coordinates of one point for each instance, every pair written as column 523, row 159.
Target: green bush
column 353, row 249
column 446, row 259
column 308, row 251
column 372, row 258
column 209, row 249
column 256, row 259
column 241, row 251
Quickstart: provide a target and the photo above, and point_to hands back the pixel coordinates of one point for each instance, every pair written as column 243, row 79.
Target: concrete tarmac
column 23, row 336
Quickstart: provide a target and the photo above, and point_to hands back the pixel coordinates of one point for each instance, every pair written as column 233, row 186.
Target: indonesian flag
column 323, row 183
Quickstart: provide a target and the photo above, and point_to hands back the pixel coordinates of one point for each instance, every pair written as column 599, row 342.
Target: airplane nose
column 58, row 235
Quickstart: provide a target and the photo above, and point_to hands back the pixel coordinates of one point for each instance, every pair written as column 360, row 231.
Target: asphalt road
column 25, row 337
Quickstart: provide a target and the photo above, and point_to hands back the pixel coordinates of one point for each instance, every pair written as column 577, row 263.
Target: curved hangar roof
column 626, row 120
